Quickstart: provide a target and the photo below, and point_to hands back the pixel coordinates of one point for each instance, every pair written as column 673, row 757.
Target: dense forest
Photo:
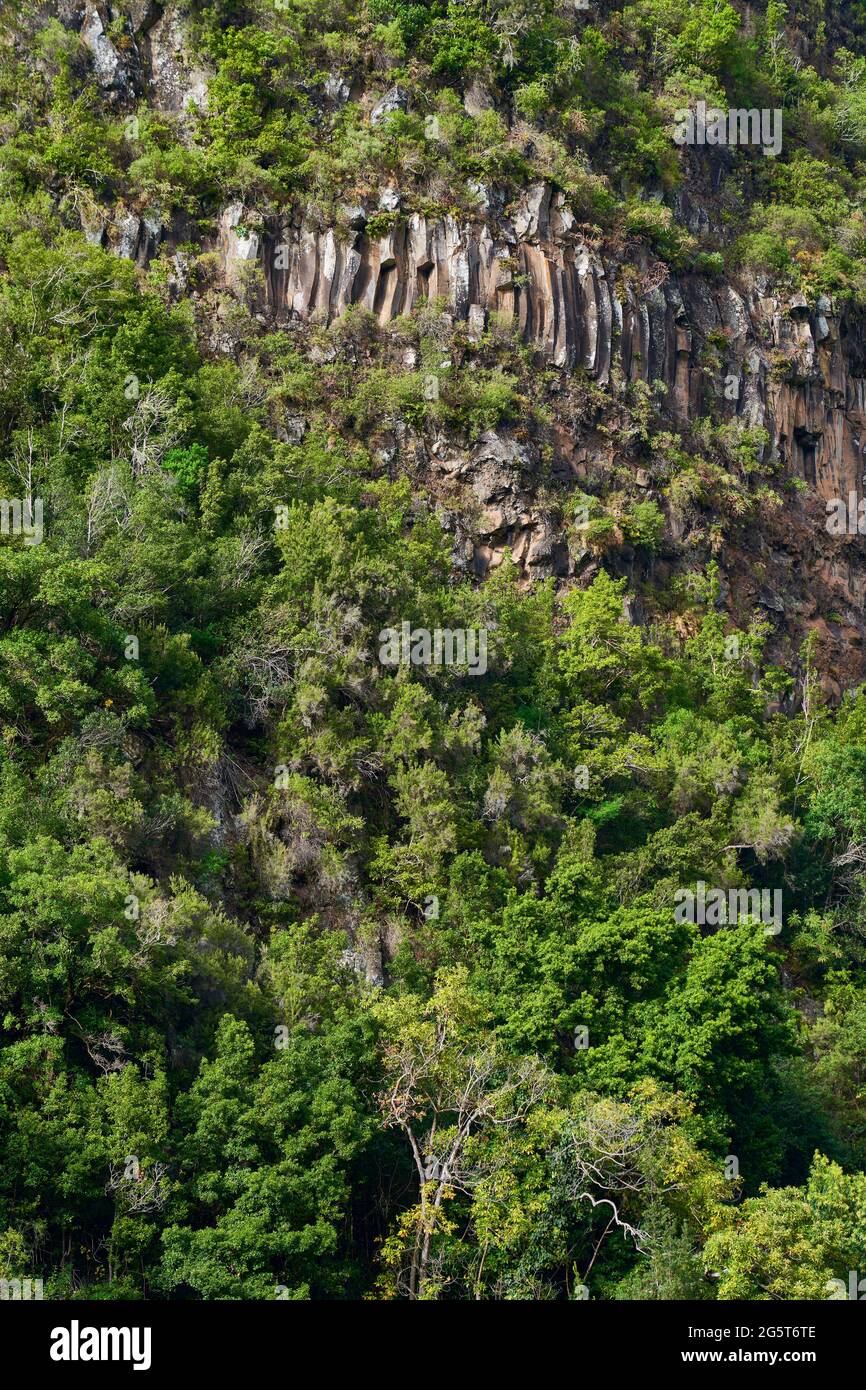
column 396, row 902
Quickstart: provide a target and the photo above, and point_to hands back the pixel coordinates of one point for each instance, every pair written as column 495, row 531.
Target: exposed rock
column 293, row 429
column 137, row 238
column 151, row 235
column 176, row 82
column 178, row 278
column 128, row 230
column 496, row 515
column 71, row 13
column 536, row 268
column 354, row 218
column 94, row 230
column 795, row 369
column 109, row 69
column 531, row 217
column 767, row 599
column 238, row 244
column 395, row 100
column 482, row 193
column 477, row 99
column 337, row 89
column 143, row 14
column 477, row 320
column 365, row 960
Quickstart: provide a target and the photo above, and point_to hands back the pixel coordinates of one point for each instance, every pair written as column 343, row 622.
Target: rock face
column 395, row 100
column 495, row 483
column 532, row 265
column 154, row 56
column 131, row 237
column 239, row 245
column 785, row 367
column 175, row 82
column 796, row 369
column 117, row 76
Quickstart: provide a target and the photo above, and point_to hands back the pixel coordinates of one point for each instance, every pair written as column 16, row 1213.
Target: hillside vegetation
column 324, row 976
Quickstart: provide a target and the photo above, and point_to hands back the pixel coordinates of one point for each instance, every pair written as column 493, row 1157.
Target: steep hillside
column 432, row 729
column 517, row 171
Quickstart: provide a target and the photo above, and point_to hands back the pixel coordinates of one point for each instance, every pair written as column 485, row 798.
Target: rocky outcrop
column 151, row 57
column 785, row 367
column 117, row 75
column 131, row 236
column 794, row 368
column 533, row 266
column 176, row 82
column 611, row 314
column 791, row 368
column 494, row 482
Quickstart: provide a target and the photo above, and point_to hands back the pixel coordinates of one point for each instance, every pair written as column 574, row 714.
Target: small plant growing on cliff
column 381, row 223
column 644, row 525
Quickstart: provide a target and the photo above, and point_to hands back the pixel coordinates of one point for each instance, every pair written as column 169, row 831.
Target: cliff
column 605, row 312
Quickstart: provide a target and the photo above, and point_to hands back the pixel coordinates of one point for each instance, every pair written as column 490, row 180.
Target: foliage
column 327, row 977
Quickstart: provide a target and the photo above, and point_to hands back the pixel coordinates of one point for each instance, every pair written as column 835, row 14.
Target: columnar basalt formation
column 616, row 317
column 731, row 347
column 794, row 369
column 784, row 366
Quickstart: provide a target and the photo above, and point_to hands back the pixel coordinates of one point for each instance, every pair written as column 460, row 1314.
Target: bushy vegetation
column 321, row 978
column 585, row 98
